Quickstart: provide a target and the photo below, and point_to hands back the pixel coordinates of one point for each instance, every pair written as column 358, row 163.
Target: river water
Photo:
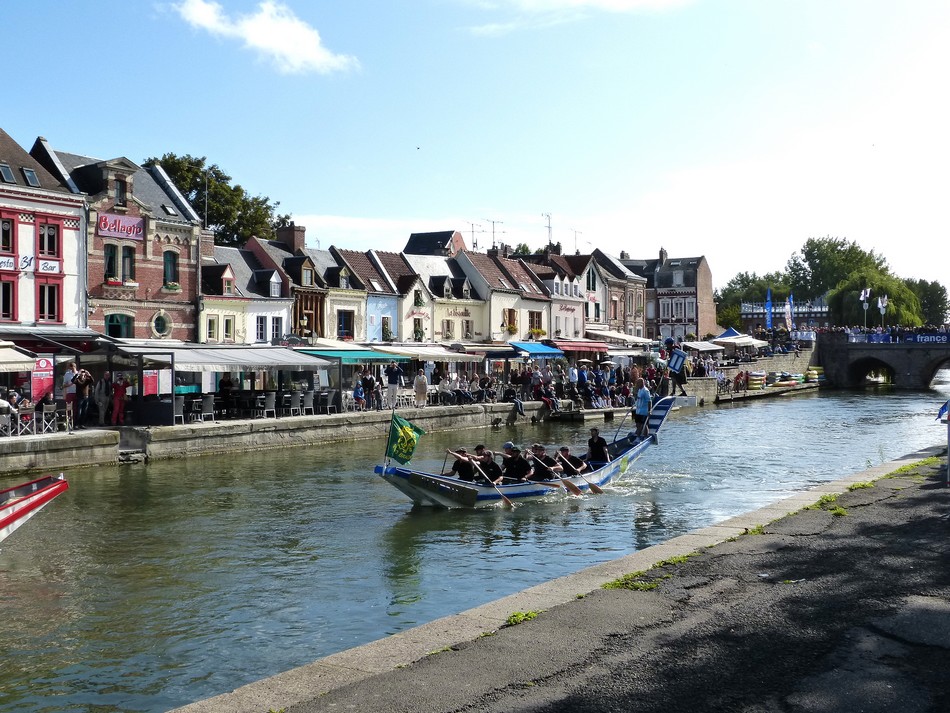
column 146, row 587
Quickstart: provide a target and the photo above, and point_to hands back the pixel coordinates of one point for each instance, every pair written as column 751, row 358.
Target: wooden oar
column 573, row 489
column 594, row 488
column 500, row 494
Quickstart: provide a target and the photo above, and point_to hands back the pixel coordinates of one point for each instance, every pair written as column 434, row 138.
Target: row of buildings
column 94, row 246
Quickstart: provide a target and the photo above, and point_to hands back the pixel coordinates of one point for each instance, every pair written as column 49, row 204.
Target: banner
column 677, row 361
column 768, row 308
column 403, row 437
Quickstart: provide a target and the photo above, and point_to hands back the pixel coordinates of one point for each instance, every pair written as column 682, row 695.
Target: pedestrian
column 102, row 395
column 119, row 388
column 420, row 386
column 394, row 374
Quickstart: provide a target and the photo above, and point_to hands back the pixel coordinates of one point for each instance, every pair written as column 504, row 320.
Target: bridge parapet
column 911, row 359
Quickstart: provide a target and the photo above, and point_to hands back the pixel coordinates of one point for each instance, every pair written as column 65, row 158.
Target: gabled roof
column 613, row 265
column 363, row 267
column 250, row 278
column 507, row 275
column 329, row 268
column 151, row 186
column 17, row 158
column 398, row 269
column 429, row 267
column 437, row 243
column 212, row 279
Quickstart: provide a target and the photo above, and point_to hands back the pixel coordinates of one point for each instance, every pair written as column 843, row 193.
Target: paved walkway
column 819, row 611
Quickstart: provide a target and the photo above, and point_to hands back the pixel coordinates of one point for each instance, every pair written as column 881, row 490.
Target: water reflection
column 146, row 587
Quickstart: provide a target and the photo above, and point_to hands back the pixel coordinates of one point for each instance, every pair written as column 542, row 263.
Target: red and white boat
column 21, row 502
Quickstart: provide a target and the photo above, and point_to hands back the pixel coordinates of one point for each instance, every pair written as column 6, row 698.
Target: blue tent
column 730, row 333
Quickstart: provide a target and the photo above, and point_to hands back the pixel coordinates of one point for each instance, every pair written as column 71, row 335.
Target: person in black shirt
column 516, row 467
column 597, row 448
column 545, row 467
column 572, row 464
column 485, row 460
column 462, row 467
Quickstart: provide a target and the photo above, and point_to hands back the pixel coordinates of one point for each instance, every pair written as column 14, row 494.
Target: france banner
column 768, row 308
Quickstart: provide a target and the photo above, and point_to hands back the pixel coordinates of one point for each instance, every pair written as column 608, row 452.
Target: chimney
column 663, row 255
column 293, row 236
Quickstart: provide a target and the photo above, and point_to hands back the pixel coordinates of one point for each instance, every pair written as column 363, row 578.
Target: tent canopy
column 612, row 336
column 223, row 358
column 12, row 359
column 702, row 346
column 536, row 350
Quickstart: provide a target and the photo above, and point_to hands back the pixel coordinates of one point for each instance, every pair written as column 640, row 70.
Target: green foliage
column 633, row 582
column 232, row 213
column 521, row 249
column 730, row 316
column 519, row 617
column 934, row 304
column 860, row 486
column 903, row 306
column 823, row 263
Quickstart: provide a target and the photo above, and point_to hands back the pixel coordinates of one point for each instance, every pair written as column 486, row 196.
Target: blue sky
column 735, row 129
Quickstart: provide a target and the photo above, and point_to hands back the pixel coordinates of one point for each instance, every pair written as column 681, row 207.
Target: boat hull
column 441, row 491
column 21, row 502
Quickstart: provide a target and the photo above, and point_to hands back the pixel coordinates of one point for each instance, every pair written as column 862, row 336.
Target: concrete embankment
column 833, row 609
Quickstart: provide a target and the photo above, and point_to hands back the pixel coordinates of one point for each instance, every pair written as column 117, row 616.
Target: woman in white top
column 420, row 385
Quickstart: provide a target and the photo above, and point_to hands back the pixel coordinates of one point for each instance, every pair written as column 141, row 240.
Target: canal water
column 146, row 587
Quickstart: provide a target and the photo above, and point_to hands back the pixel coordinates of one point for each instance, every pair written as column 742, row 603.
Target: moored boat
column 442, row 491
column 21, row 502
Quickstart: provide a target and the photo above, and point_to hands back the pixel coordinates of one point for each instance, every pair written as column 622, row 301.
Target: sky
column 734, row 129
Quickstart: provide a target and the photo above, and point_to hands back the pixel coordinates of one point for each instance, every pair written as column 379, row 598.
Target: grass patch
column 519, row 617
column 633, row 582
column 933, row 460
column 823, row 501
column 860, row 486
column 838, row 511
column 757, row 530
column 487, row 633
column 676, row 559
column 439, row 651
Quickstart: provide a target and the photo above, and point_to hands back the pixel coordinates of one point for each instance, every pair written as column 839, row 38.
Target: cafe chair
column 268, row 407
column 293, row 408
column 179, row 410
column 6, row 422
column 48, row 421
column 207, row 407
column 307, row 408
column 26, row 422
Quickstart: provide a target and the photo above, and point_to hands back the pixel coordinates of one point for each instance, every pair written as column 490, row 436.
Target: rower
column 462, row 467
column 517, row 468
column 485, row 460
column 545, row 467
column 572, row 464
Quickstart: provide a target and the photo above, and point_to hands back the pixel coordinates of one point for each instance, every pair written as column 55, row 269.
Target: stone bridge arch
column 911, row 365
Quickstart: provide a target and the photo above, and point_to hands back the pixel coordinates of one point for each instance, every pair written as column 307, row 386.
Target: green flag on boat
column 403, row 437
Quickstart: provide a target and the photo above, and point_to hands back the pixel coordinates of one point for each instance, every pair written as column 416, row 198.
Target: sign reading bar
column 121, row 226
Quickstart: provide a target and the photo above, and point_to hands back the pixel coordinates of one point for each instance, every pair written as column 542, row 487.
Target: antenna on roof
column 493, row 224
column 548, row 216
column 473, row 226
column 576, row 233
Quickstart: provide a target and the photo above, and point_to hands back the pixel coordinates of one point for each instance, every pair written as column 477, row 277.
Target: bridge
column 910, row 362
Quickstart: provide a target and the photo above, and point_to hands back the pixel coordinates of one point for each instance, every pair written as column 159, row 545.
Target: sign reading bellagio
column 121, row 226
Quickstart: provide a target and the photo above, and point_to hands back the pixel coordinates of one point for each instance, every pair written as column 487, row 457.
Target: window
column 677, row 278
column 30, row 175
column 49, row 240
column 168, row 209
column 690, row 309
column 557, row 287
column 466, row 291
column 307, row 278
column 48, row 309
column 344, row 324
column 227, row 286
column 664, row 309
column 509, row 320
column 417, row 300
column 212, row 329
column 110, row 258
column 344, row 280
column 534, row 320
column 229, row 329
column 376, row 286
column 119, row 325
column 128, row 263
column 448, row 328
column 160, row 325
column 6, row 173
column 614, row 307
column 170, row 266
column 651, row 310
column 557, row 324
column 7, row 299
column 6, row 236
column 597, row 311
column 275, row 288
column 261, row 334
column 591, row 280
column 387, row 328
column 466, row 329
column 504, row 284
column 678, row 311
column 121, row 192
column 577, row 289
column 277, row 328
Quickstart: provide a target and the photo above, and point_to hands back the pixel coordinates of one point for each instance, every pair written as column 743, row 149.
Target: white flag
column 865, row 294
column 882, row 302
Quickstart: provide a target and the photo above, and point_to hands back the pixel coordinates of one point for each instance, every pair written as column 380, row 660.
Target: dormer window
column 227, row 286
column 307, row 277
column 466, row 292
column 30, row 175
column 504, row 284
column 275, row 289
column 557, row 287
column 344, row 279
column 121, row 191
column 447, row 290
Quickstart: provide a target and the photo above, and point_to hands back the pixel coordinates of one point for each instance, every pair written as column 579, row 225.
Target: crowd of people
column 517, row 466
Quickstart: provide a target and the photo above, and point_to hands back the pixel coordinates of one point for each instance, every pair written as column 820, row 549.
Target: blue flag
column 943, row 410
column 768, row 308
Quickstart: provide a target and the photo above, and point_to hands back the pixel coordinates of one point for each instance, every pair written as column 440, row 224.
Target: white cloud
column 273, row 31
column 547, row 13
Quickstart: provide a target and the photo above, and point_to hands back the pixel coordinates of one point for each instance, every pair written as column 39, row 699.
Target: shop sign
column 121, row 226
column 42, row 380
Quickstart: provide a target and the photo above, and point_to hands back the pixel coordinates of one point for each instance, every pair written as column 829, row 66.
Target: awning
column 12, row 359
column 742, row 340
column 629, row 352
column 428, row 352
column 354, row 356
column 224, row 358
column 581, row 345
column 702, row 346
column 611, row 336
column 536, row 350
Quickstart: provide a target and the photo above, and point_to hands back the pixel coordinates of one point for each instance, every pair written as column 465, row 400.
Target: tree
column 521, row 249
column 749, row 287
column 934, row 304
column 232, row 214
column 824, row 262
column 729, row 316
column 903, row 307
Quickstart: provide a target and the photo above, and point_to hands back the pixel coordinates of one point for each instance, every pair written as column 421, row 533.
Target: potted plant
column 512, row 328
column 418, row 335
column 130, row 283
column 113, row 282
column 172, row 286
column 537, row 332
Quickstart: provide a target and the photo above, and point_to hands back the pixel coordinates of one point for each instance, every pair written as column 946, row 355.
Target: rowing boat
column 442, row 491
column 21, row 502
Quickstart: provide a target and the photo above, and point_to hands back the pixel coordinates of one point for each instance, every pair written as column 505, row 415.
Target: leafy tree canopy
column 903, row 307
column 521, row 249
column 232, row 214
column 825, row 262
column 934, row 305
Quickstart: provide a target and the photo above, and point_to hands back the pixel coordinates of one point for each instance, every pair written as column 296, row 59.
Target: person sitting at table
column 446, row 394
column 359, row 399
column 4, row 404
column 226, row 390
